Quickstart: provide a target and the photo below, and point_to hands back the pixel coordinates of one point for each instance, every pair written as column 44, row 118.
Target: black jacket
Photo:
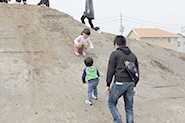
column 116, row 65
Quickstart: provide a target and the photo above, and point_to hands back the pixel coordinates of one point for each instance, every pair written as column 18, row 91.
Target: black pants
column 89, row 19
column 46, row 2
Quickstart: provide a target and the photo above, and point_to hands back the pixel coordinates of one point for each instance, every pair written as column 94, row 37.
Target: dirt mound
column 40, row 77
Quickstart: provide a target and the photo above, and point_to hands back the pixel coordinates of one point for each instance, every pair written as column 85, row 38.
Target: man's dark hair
column 88, row 61
column 120, row 40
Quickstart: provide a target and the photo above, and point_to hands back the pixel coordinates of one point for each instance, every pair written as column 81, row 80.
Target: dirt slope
column 40, row 77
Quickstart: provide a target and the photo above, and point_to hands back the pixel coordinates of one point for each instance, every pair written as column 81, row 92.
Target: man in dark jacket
column 123, row 84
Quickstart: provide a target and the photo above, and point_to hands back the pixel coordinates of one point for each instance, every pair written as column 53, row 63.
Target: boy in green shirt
column 92, row 75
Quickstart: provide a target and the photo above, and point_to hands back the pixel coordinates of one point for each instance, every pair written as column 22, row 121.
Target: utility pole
column 141, row 23
column 121, row 26
column 182, row 29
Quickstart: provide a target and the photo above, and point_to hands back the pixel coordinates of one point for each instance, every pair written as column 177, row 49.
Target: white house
column 155, row 36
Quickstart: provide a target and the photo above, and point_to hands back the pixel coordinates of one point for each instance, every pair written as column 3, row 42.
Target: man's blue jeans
column 125, row 89
column 92, row 88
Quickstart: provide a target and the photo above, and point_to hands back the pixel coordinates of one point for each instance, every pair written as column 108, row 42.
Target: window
column 170, row 40
column 160, row 40
column 152, row 40
column 179, row 44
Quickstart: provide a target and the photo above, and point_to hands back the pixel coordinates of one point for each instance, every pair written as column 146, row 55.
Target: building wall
column 156, row 41
column 181, row 47
column 161, row 42
column 133, row 35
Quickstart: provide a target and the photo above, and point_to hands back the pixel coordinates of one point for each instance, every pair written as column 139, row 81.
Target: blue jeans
column 92, row 87
column 127, row 91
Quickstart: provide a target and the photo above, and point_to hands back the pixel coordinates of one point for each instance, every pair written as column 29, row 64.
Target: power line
column 128, row 19
column 137, row 21
column 148, row 24
column 107, row 21
column 149, row 21
column 107, row 18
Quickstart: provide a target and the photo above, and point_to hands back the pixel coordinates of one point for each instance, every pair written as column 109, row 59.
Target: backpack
column 132, row 70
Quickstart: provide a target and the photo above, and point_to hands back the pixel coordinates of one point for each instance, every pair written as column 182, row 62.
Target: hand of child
column 85, row 82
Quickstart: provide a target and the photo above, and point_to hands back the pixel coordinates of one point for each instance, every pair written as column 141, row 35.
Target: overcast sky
column 168, row 15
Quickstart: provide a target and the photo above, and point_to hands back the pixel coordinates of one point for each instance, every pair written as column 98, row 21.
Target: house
column 181, row 44
column 155, row 36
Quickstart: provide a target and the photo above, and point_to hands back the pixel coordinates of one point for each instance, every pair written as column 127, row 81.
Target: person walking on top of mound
column 89, row 13
column 82, row 42
column 44, row 3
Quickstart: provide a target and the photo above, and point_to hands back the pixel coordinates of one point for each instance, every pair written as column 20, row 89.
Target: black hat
column 96, row 28
column 120, row 40
column 86, row 31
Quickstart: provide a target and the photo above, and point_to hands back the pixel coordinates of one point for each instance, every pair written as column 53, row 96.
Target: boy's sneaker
column 95, row 97
column 88, row 102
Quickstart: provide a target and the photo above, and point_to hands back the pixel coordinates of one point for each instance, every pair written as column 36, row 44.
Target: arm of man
column 110, row 71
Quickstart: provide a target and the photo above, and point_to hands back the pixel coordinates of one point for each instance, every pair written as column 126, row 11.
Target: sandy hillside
column 40, row 77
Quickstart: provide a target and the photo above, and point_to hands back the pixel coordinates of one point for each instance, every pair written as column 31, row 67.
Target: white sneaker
column 94, row 97
column 25, row 2
column 88, row 102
